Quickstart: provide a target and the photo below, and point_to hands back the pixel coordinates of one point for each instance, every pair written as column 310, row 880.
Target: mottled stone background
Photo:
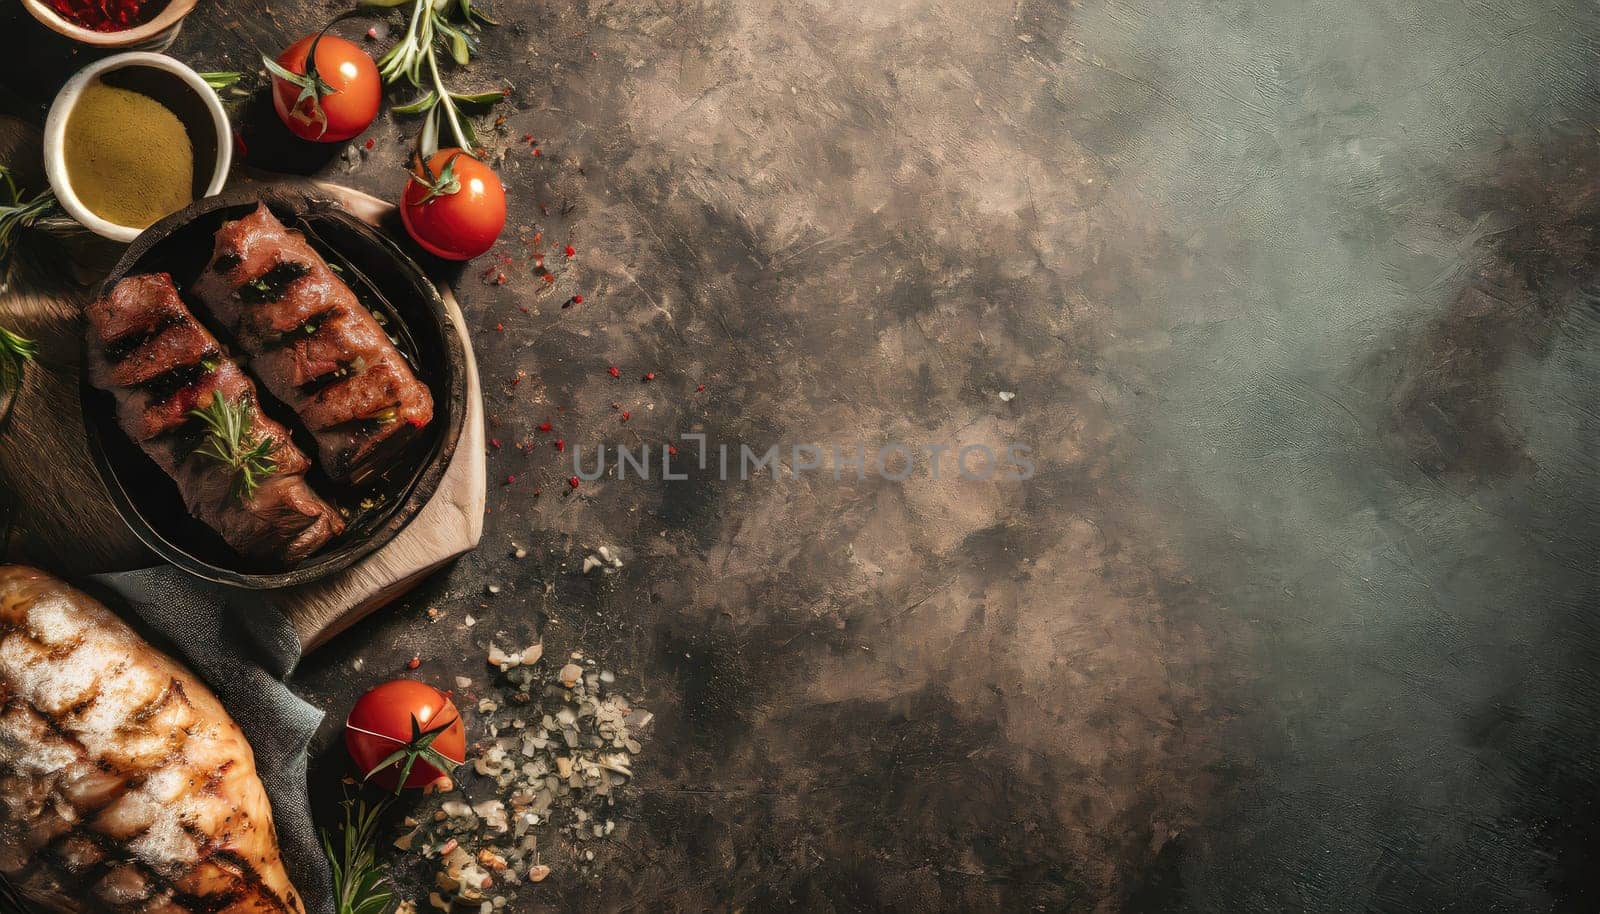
column 1297, row 299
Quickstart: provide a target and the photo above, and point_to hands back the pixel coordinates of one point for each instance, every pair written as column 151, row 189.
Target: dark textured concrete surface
column 1297, row 302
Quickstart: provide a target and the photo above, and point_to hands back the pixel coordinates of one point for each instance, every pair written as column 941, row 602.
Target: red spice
column 106, row 15
column 625, row 416
column 577, row 299
column 549, row 277
column 572, row 481
column 700, row 388
column 510, row 479
column 571, row 251
column 370, row 143
column 672, row 450
column 614, row 371
column 372, row 33
column 544, row 427
column 537, row 151
column 495, row 443
column 649, row 376
column 499, row 326
column 413, row 663
column 560, row 445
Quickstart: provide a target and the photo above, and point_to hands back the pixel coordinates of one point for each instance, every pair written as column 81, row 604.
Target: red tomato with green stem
column 332, row 98
column 405, row 733
column 454, row 205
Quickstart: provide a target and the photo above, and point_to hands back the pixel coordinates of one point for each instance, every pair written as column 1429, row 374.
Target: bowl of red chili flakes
column 148, row 25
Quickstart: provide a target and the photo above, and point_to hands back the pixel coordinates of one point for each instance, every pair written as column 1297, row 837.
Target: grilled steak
column 314, row 345
column 124, row 786
column 161, row 364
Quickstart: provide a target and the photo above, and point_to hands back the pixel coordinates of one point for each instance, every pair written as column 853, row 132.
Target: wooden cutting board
column 56, row 513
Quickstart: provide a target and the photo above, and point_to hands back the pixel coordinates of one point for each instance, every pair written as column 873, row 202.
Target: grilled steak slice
column 164, row 366
column 124, row 786
column 314, row 345
column 181, row 342
column 135, row 308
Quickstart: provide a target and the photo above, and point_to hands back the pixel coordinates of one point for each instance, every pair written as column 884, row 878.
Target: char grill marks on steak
column 314, row 345
column 163, row 366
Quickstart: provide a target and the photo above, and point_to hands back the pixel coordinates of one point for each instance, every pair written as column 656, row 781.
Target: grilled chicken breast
column 161, row 364
column 124, row 786
column 314, row 345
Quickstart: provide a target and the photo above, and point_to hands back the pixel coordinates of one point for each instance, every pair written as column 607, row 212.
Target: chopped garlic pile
column 560, row 746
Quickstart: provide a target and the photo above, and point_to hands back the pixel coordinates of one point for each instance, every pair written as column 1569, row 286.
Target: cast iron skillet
column 388, row 282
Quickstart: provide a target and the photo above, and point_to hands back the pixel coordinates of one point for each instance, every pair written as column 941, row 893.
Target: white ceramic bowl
column 175, row 86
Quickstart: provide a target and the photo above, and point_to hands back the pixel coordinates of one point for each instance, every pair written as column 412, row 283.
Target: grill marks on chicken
column 314, row 345
column 124, row 786
column 150, row 353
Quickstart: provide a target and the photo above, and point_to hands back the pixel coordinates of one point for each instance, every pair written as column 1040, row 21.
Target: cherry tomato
column 401, row 722
column 456, row 207
column 331, row 116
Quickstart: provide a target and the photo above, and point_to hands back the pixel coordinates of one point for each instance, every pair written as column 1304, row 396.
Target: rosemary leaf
column 360, row 881
column 17, row 215
column 14, row 351
column 229, row 442
column 431, row 24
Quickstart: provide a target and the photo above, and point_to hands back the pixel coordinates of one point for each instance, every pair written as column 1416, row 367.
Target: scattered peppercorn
column 413, row 663
column 649, row 376
column 571, row 251
column 544, row 426
column 614, row 371
column 572, row 481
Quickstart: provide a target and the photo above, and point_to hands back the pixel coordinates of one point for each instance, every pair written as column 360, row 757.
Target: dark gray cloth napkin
column 243, row 647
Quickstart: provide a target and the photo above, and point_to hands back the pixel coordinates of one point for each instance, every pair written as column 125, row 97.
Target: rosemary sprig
column 453, row 24
column 220, row 79
column 17, row 215
column 14, row 351
column 360, row 882
column 230, row 443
